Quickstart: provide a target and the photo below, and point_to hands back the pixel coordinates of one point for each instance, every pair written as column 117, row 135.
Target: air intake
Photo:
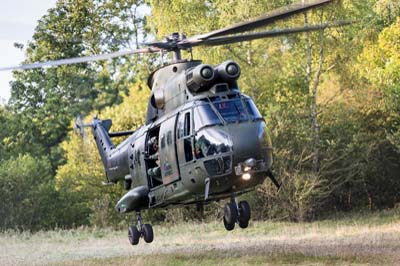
column 199, row 77
column 228, row 71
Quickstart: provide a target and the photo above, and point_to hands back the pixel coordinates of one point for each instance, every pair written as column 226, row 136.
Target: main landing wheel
column 145, row 231
column 244, row 214
column 236, row 213
column 228, row 226
column 230, row 215
column 133, row 235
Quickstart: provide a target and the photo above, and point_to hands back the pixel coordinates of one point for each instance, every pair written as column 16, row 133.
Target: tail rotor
column 79, row 127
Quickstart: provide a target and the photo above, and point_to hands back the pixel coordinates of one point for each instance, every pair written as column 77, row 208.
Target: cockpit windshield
column 231, row 110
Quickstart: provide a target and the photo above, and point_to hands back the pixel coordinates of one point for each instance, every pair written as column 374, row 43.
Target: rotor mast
column 174, row 39
column 177, row 56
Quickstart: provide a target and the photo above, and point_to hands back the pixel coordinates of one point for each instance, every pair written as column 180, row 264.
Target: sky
column 18, row 19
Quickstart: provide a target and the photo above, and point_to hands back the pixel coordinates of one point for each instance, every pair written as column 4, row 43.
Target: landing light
column 246, row 176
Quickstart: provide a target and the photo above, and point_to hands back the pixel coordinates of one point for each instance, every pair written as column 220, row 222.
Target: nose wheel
column 142, row 230
column 236, row 213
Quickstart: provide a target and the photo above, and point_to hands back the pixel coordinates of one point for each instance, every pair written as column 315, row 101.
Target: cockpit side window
column 204, row 116
column 209, row 142
column 252, row 109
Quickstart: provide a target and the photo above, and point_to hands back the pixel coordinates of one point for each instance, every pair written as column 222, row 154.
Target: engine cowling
column 200, row 77
column 228, row 71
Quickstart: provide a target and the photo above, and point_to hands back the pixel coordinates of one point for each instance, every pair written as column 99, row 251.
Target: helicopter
column 203, row 140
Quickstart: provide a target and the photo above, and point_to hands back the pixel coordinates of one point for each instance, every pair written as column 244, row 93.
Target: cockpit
column 213, row 144
column 208, row 141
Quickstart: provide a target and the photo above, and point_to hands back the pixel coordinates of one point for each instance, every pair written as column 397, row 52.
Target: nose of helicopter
column 250, row 140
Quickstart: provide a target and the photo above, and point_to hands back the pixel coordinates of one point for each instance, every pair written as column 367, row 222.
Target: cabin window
column 137, row 157
column 169, row 138
column 163, row 141
column 180, row 130
column 204, row 116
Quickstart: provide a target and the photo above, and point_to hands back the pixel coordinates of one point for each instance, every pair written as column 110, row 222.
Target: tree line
column 331, row 100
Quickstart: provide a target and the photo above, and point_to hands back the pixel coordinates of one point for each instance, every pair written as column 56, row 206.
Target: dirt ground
column 373, row 242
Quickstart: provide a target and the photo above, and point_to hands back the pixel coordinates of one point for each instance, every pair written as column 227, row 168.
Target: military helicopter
column 204, row 140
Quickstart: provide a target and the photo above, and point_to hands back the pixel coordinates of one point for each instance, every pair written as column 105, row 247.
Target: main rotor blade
column 83, row 59
column 264, row 34
column 264, row 20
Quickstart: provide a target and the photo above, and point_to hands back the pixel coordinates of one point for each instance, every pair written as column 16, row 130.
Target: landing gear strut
column 236, row 213
column 142, row 230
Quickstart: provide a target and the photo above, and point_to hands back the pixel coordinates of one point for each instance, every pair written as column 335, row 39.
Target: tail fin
column 100, row 130
column 115, row 162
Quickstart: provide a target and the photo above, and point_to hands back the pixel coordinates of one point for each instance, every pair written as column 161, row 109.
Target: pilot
column 154, row 172
column 203, row 147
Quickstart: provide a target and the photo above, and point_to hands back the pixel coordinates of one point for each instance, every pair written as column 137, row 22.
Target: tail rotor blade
column 79, row 126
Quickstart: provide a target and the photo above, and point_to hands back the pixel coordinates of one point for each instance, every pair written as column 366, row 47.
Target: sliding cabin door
column 167, row 146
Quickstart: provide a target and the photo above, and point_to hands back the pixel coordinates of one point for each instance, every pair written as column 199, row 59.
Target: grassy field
column 372, row 239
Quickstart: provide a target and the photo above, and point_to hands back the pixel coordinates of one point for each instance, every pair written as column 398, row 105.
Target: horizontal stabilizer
column 120, row 134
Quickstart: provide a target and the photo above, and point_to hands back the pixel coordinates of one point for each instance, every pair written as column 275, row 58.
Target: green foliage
column 388, row 10
column 380, row 65
column 27, row 193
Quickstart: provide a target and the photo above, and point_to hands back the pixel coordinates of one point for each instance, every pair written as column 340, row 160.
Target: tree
column 27, row 193
column 50, row 98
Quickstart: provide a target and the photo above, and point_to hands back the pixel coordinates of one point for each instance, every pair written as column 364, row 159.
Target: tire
column 228, row 226
column 244, row 211
column 230, row 213
column 243, row 224
column 148, row 233
column 133, row 235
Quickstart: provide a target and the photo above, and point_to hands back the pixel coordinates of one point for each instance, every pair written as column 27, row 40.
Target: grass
column 356, row 239
column 214, row 258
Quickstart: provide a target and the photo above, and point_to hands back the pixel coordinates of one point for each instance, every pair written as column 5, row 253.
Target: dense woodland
column 331, row 100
